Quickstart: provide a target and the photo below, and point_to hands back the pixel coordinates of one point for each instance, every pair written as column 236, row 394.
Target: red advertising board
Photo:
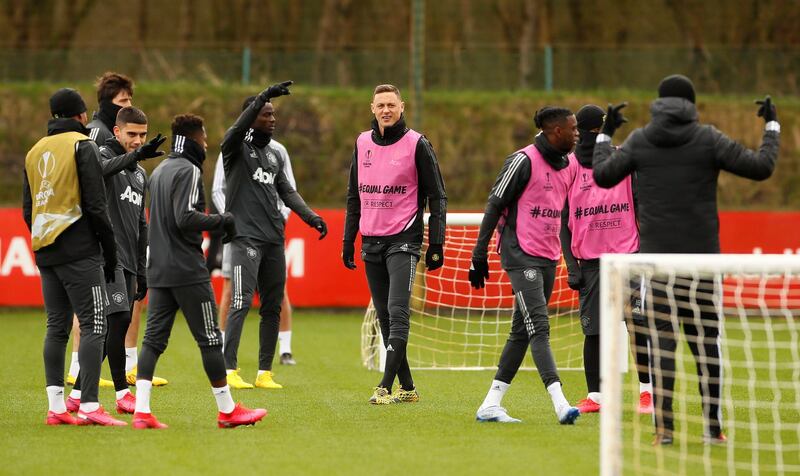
column 316, row 277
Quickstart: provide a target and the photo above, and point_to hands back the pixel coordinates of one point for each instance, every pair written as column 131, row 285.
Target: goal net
column 456, row 327
column 749, row 376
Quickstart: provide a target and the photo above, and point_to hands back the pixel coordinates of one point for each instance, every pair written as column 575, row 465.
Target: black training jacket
column 677, row 161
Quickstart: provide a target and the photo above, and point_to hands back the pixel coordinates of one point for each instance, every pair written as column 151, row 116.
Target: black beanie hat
column 66, row 102
column 676, row 86
column 590, row 117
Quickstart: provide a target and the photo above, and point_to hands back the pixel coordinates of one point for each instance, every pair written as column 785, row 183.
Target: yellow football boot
column 131, row 378
column 236, row 381
column 103, row 382
column 406, row 396
column 265, row 380
column 381, row 396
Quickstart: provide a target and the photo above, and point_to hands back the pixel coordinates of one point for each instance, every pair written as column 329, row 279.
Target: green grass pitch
column 320, row 422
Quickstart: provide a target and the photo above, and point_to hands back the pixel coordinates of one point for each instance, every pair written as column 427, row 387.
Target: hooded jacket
column 677, row 161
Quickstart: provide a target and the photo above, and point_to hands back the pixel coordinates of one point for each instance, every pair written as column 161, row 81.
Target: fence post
column 548, row 68
column 246, row 65
column 418, row 58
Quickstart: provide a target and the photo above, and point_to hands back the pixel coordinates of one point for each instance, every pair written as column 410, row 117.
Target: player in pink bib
column 394, row 174
column 600, row 221
column 529, row 193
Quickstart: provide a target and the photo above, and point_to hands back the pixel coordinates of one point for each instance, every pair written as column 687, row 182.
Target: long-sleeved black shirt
column 177, row 220
column 677, row 161
column 256, row 183
column 126, row 183
column 430, row 191
column 93, row 229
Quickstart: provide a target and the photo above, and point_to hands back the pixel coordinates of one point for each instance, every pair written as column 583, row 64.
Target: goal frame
column 614, row 269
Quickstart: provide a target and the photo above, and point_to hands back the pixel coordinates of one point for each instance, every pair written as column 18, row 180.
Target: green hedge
column 472, row 132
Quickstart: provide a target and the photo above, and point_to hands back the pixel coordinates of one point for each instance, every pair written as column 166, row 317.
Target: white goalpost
column 455, row 327
column 756, row 301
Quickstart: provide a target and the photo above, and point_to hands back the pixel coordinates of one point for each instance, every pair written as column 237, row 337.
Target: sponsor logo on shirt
column 548, row 186
column 132, row 196
column 586, row 184
column 262, row 176
column 367, row 162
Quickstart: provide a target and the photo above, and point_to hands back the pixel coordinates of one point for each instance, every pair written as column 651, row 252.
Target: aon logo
column 264, row 177
column 132, row 196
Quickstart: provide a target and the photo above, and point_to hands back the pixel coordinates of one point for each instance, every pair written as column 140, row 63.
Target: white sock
column 55, row 399
column 285, row 341
column 223, row 337
column 495, row 396
column 143, row 396
column 75, row 394
column 122, row 393
column 595, row 397
column 229, row 371
column 74, row 366
column 131, row 358
column 645, row 387
column 89, row 407
column 261, row 372
column 557, row 395
column 224, row 398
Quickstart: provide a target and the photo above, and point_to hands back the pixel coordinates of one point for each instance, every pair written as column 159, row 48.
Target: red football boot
column 98, row 417
column 587, row 405
column 65, row 418
column 73, row 404
column 645, row 403
column 240, row 415
column 142, row 421
column 126, row 404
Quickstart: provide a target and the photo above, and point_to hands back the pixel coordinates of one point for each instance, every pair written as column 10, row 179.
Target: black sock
column 642, row 357
column 404, row 375
column 395, row 353
column 591, row 362
column 115, row 347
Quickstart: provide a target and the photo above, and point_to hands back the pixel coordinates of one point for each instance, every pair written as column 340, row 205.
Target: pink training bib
column 602, row 220
column 539, row 207
column 387, row 184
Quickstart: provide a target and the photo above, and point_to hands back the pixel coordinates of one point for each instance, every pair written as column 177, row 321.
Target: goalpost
column 456, row 327
column 756, row 299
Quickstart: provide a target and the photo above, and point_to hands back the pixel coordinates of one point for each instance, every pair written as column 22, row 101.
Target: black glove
column 150, row 150
column 109, row 270
column 434, row 257
column 767, row 110
column 348, row 253
column 141, row 287
column 575, row 279
column 280, row 89
column 318, row 223
column 229, row 226
column 479, row 272
column 614, row 119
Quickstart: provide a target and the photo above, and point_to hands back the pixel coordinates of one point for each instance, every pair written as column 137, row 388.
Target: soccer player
column 125, row 183
column 598, row 221
column 64, row 206
column 218, row 198
column 393, row 175
column 114, row 91
column 677, row 161
column 177, row 275
column 256, row 185
column 529, row 194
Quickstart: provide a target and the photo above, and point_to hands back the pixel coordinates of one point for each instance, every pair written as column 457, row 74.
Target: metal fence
column 714, row 70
